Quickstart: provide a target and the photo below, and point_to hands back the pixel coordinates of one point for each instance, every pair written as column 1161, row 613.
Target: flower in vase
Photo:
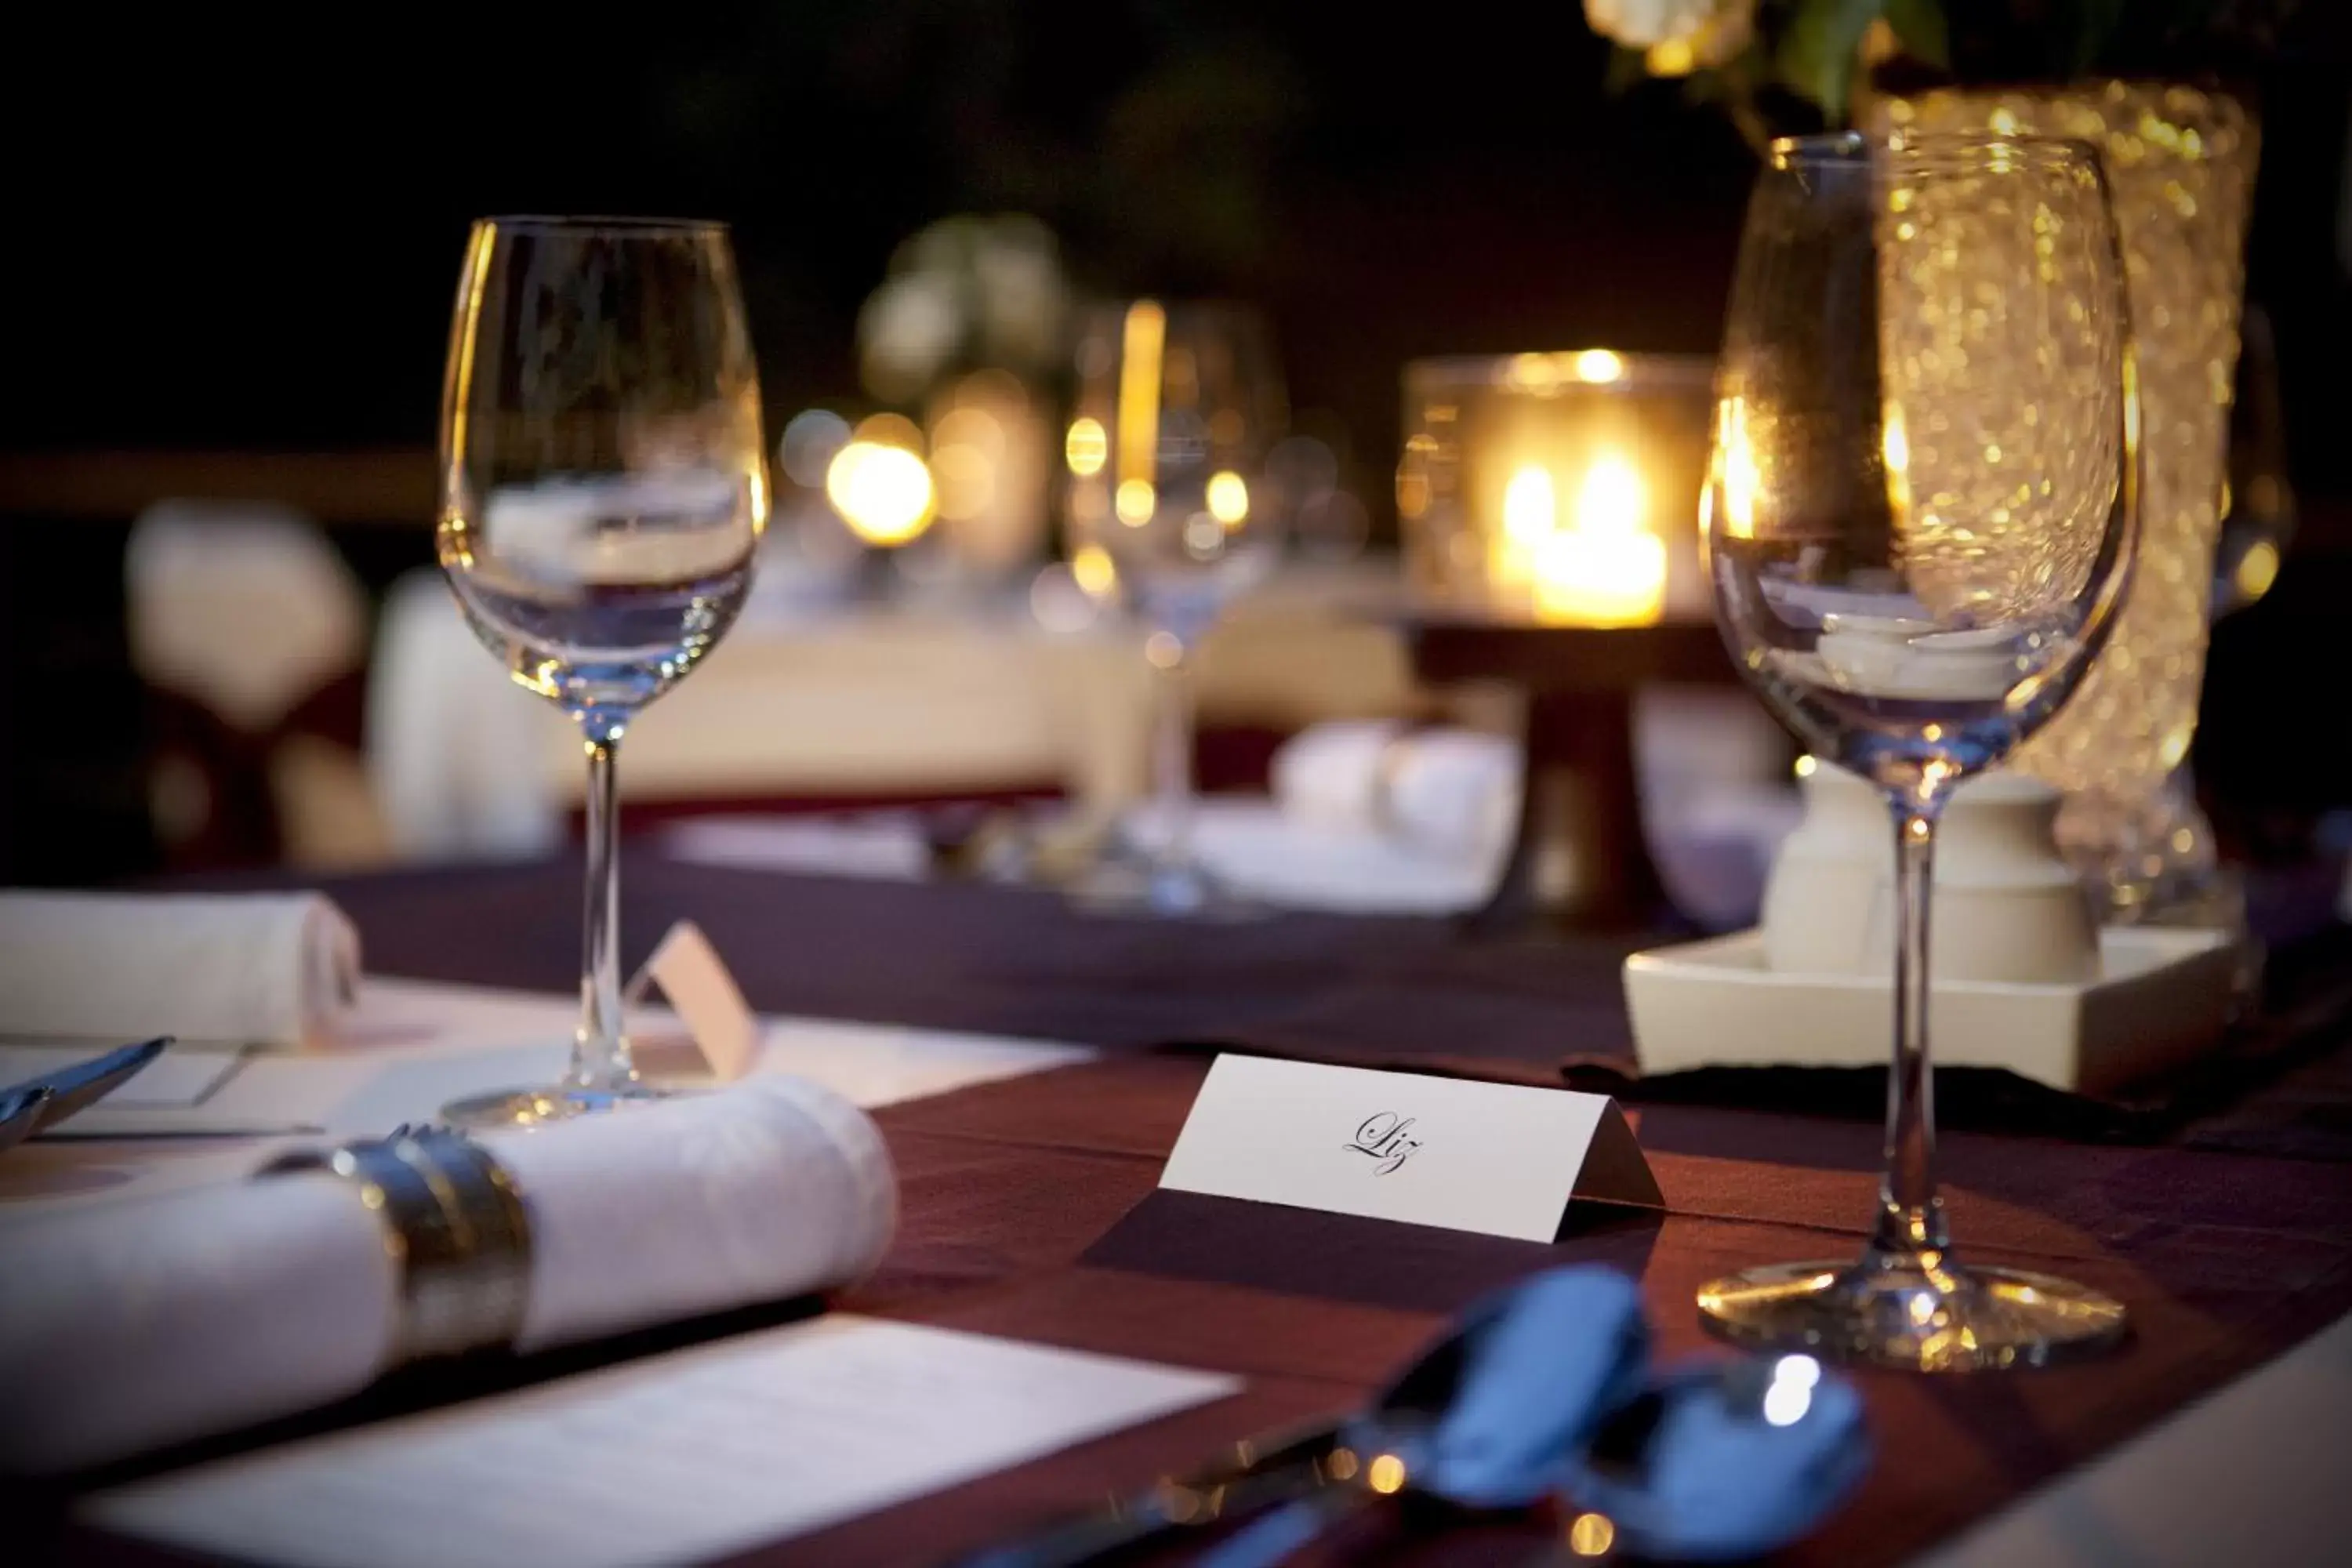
column 1675, row 36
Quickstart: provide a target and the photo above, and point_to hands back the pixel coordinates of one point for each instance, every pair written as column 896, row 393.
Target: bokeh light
column 1228, row 496
column 1092, row 567
column 1598, row 367
column 811, row 439
column 1087, row 448
column 882, row 492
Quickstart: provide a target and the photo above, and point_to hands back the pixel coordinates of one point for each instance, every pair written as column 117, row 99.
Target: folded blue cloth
column 1734, row 1459
column 1545, row 1363
column 1544, row 1390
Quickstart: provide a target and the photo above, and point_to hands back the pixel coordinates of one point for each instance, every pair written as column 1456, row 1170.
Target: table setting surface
column 1029, row 1210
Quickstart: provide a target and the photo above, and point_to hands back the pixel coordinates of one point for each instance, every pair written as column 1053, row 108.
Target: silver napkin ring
column 456, row 1231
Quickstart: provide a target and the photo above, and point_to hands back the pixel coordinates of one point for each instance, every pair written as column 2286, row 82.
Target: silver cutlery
column 1262, row 1473
column 20, row 1112
column 71, row 1091
column 114, row 1123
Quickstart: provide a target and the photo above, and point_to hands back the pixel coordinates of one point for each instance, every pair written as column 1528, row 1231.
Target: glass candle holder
column 2181, row 163
column 1557, row 489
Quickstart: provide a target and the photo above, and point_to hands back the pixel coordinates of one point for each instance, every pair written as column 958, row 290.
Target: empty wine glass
column 1177, row 407
column 602, row 489
column 1920, row 516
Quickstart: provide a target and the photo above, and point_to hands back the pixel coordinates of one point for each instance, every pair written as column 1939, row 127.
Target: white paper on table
column 412, row 1047
column 482, row 1040
column 675, row 1458
column 181, row 1076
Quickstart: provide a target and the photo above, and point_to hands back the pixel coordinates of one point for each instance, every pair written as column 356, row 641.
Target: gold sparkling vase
column 2181, row 166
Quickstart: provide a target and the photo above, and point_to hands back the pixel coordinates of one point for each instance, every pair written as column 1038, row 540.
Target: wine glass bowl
column 602, row 491
column 1177, row 405
column 1919, row 515
column 1920, row 522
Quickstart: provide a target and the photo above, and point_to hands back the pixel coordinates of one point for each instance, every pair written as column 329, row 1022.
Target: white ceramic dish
column 2161, row 998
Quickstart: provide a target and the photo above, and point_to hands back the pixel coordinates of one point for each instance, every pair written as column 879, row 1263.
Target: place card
column 1503, row 1158
column 691, row 976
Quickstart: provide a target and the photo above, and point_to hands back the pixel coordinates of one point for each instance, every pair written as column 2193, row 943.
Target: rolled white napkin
column 245, row 968
column 134, row 1327
column 1454, row 792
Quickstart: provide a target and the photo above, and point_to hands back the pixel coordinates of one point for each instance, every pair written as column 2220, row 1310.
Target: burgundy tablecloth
column 2223, row 1260
column 1019, row 961
column 1027, row 1211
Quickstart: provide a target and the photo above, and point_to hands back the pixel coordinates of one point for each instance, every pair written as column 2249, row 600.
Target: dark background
column 243, row 238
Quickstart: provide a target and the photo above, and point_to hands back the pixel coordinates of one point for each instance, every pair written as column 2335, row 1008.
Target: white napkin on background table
column 153, row 1322
column 1451, row 792
column 239, row 968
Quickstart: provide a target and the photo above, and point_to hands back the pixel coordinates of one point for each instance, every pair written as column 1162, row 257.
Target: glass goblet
column 1177, row 405
column 602, row 489
column 1919, row 521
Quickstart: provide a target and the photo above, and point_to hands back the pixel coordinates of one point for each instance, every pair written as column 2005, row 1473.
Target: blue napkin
column 1533, row 1371
column 1546, row 1362
column 1738, row 1459
column 1724, row 1459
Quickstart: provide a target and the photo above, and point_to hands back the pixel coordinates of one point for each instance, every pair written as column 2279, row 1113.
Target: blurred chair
column 457, row 752
column 249, row 632
column 1717, row 797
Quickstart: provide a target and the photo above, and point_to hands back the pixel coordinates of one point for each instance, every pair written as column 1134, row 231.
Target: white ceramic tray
column 2163, row 997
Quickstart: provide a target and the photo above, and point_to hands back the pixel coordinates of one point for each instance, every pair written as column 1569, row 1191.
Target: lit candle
column 1530, row 515
column 1606, row 568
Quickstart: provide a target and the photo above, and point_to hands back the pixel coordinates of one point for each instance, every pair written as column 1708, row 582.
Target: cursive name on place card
column 1504, row 1158
column 1383, row 1136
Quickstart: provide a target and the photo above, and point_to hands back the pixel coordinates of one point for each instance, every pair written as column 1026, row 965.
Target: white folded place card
column 691, row 976
column 1504, row 1158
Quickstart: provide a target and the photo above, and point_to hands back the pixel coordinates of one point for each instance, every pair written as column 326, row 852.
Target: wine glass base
column 1897, row 1315
column 1135, row 889
column 537, row 1107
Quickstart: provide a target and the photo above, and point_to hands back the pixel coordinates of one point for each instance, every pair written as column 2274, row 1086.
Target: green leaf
column 1919, row 24
column 1818, row 52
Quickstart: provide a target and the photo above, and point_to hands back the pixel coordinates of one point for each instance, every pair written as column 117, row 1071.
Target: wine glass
column 1177, row 404
column 1919, row 520
column 602, row 489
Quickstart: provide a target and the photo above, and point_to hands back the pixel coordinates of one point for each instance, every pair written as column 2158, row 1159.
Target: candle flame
column 1607, row 569
column 1612, row 499
column 1735, row 471
column 1530, row 509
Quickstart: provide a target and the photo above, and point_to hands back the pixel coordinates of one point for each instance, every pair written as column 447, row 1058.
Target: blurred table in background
column 1582, row 851
column 858, row 703
column 414, row 746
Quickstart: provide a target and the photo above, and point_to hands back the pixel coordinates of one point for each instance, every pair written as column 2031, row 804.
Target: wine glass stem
column 1172, row 754
column 1911, row 1216
column 599, row 1051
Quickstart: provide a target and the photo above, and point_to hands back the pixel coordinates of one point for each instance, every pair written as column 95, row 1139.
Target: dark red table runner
column 1018, row 962
column 2229, row 1240
column 2224, row 1260
column 1378, row 993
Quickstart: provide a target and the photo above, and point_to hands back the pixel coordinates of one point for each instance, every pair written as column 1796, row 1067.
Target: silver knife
column 84, row 1084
